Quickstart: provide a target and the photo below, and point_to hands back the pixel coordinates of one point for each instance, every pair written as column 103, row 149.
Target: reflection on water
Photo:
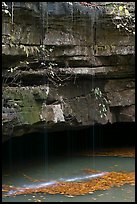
column 70, row 167
column 29, row 159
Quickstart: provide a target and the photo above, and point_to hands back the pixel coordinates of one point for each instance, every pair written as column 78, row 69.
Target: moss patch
column 26, row 103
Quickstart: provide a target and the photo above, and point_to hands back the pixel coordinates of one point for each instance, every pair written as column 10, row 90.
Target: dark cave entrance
column 67, row 143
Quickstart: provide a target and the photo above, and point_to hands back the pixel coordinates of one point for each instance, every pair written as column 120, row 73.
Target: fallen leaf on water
column 90, row 192
column 100, row 194
column 69, row 196
column 37, row 200
column 121, row 152
column 4, row 190
column 104, row 182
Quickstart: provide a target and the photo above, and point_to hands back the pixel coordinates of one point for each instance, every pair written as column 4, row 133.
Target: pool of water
column 19, row 173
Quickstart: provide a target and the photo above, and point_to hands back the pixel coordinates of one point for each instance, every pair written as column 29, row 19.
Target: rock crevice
column 55, row 55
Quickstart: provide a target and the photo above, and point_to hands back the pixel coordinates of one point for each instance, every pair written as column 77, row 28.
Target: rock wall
column 54, row 56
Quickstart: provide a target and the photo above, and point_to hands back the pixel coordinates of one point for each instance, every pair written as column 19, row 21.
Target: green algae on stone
column 27, row 105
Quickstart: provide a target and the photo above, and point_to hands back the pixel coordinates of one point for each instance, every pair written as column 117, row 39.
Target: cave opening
column 67, row 143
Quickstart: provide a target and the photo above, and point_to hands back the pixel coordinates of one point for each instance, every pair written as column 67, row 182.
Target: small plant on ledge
column 102, row 101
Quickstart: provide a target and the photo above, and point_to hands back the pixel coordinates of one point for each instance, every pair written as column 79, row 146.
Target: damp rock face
column 52, row 113
column 55, row 56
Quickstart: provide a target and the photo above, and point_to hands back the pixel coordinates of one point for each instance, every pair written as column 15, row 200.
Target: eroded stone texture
column 65, row 50
column 52, row 113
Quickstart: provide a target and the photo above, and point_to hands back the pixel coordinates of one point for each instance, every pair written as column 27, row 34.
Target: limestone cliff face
column 54, row 55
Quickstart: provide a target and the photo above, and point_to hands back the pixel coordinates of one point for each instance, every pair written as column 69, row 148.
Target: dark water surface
column 52, row 157
column 62, row 167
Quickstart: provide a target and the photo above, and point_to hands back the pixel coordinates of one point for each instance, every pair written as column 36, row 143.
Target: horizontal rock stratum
column 55, row 56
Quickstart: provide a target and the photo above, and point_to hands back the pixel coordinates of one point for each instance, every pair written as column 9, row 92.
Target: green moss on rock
column 25, row 103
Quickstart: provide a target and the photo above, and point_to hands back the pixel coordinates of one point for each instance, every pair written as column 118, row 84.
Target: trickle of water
column 47, row 18
column 10, row 154
column 93, row 131
column 12, row 12
column 72, row 13
column 46, row 148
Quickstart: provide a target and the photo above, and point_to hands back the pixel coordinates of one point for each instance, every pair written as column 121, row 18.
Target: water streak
column 51, row 183
column 82, row 177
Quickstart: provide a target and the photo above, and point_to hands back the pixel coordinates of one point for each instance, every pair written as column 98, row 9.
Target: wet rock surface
column 50, row 86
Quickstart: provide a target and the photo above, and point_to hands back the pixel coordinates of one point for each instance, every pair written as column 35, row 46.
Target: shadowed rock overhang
column 60, row 62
